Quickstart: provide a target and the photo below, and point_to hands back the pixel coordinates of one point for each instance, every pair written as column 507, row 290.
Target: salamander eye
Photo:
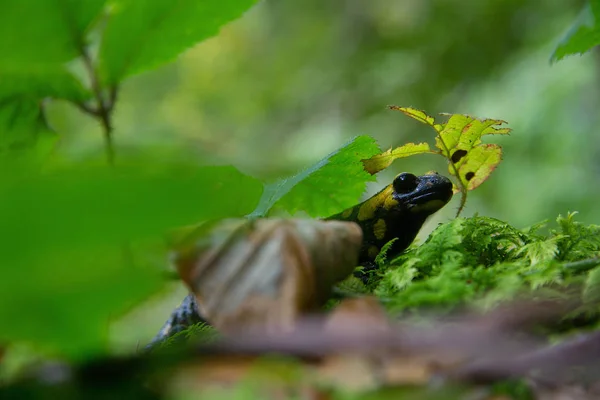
column 405, row 183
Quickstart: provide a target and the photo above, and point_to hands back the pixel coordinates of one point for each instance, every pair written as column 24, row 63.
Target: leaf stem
column 104, row 107
column 462, row 187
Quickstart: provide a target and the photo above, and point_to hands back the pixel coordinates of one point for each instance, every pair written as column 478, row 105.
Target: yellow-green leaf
column 415, row 114
column 381, row 161
column 463, row 132
column 478, row 164
column 459, row 141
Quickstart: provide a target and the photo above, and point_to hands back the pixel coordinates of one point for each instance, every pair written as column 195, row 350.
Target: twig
column 551, row 363
column 583, row 265
column 103, row 108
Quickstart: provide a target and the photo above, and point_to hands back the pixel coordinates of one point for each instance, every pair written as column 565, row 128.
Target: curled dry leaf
column 264, row 274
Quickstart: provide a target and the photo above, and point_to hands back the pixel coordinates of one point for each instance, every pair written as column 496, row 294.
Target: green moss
column 484, row 261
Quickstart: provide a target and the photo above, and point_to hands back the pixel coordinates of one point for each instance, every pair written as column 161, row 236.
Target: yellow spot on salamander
column 379, row 229
column 347, row 213
column 390, row 202
column 372, row 252
column 430, row 207
column 368, row 208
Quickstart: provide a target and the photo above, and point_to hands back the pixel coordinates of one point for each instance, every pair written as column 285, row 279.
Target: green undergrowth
column 199, row 333
column 483, row 261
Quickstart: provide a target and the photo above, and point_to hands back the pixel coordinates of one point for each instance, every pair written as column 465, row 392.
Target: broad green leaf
column 595, row 7
column 23, row 127
column 38, row 81
column 140, row 200
column 381, row 161
column 37, row 37
column 62, row 301
column 66, row 259
column 583, row 34
column 579, row 41
column 44, row 31
column 141, row 35
column 333, row 184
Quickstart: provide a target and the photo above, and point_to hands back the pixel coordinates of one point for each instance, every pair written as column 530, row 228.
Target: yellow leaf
column 463, row 132
column 381, row 161
column 459, row 141
column 479, row 164
column 415, row 114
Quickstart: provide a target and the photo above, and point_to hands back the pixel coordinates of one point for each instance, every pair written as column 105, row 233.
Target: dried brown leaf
column 266, row 273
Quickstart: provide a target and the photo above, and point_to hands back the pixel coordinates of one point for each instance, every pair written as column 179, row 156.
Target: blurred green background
column 292, row 80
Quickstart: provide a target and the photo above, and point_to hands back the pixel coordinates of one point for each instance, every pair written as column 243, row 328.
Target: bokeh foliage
column 72, row 229
column 304, row 77
column 275, row 91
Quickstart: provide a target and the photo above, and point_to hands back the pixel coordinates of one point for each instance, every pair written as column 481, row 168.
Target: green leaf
column 595, row 7
column 140, row 200
column 141, row 35
column 67, row 266
column 32, row 59
column 62, row 300
column 331, row 185
column 54, row 29
column 381, row 161
column 23, row 127
column 38, row 81
column 583, row 35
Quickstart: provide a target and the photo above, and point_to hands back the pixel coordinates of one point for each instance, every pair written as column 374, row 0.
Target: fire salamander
column 396, row 212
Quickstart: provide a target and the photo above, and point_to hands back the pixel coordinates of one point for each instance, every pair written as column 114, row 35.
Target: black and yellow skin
column 397, row 211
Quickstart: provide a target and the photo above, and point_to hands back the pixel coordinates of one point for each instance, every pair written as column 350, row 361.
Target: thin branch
column 103, row 108
column 583, row 265
column 552, row 364
column 86, row 108
column 462, row 187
